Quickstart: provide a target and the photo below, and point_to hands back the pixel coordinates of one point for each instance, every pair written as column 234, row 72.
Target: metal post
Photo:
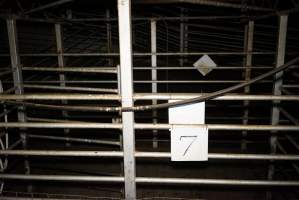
column 62, row 78
column 282, row 33
column 18, row 82
column 154, row 75
column 126, row 72
column 248, row 47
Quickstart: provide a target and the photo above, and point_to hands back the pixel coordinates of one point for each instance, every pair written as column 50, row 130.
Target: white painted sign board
column 188, row 143
column 187, row 114
column 205, row 65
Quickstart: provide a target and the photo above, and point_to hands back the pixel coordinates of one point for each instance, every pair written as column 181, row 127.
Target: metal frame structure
column 124, row 97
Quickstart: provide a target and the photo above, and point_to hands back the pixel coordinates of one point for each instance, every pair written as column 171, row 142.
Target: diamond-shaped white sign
column 205, row 65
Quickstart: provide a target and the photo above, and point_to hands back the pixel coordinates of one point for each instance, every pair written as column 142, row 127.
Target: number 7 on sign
column 192, row 137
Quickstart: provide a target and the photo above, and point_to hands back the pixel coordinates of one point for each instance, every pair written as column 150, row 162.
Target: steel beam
column 126, row 78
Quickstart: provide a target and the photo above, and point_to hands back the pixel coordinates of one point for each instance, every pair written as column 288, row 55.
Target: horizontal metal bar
column 148, row 126
column 223, row 4
column 119, row 154
column 5, row 73
column 181, row 96
column 215, row 17
column 180, row 68
column 144, row 81
column 73, row 69
column 72, row 139
column 193, row 68
column 52, row 96
column 31, row 198
column 144, row 96
column 144, row 54
column 195, row 81
column 150, row 180
column 70, row 88
column 34, row 119
column 230, row 182
column 107, row 179
column 290, row 86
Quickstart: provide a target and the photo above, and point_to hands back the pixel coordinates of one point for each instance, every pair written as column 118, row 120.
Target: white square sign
column 189, row 144
column 188, row 114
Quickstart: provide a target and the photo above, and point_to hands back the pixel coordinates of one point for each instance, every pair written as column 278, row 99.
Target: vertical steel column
column 119, row 120
column 126, row 72
column 282, row 33
column 61, row 64
column 248, row 48
column 18, row 81
column 154, row 75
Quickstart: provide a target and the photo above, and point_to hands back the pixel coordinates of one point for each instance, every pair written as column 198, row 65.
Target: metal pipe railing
column 72, row 139
column 119, row 154
column 110, row 70
column 148, row 126
column 145, row 96
column 70, row 88
column 240, row 53
column 148, row 180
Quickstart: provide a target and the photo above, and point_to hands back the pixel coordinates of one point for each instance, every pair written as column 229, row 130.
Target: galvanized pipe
column 148, row 180
column 220, row 182
column 72, row 139
column 70, row 88
column 193, row 68
column 109, row 70
column 143, row 54
column 40, row 68
column 119, row 154
column 148, row 126
column 145, row 96
column 145, row 81
column 207, row 3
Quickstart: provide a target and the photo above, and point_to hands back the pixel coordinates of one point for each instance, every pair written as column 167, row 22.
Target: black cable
column 214, row 94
